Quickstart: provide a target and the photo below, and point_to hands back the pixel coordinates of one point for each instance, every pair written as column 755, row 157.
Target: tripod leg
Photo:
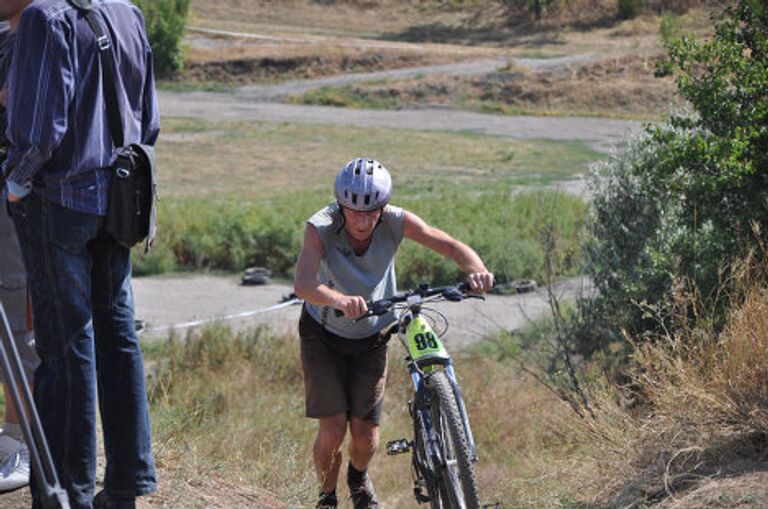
column 40, row 456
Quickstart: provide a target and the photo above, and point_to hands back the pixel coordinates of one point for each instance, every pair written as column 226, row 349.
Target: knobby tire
column 447, row 421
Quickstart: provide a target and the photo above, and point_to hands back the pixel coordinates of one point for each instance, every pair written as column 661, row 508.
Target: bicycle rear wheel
column 458, row 486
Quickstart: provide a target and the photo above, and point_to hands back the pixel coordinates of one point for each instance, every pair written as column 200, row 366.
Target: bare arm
column 478, row 276
column 309, row 288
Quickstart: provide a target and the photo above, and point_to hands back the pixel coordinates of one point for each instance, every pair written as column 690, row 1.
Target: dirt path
column 260, row 103
column 208, row 297
column 600, row 134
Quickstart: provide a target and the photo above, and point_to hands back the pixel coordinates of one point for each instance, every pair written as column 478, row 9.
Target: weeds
column 198, row 234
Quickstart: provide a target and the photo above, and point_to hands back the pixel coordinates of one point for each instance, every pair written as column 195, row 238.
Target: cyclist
column 348, row 259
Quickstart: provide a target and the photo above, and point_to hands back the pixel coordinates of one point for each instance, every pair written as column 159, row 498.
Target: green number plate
column 423, row 342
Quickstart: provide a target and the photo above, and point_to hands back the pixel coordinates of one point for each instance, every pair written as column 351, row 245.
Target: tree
column 686, row 200
column 166, row 21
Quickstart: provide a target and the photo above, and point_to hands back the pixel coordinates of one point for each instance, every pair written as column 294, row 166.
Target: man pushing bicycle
column 348, row 259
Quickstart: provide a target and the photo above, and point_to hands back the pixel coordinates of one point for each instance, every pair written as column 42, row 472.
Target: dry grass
column 703, row 412
column 612, row 87
column 243, row 65
column 228, row 160
column 227, row 411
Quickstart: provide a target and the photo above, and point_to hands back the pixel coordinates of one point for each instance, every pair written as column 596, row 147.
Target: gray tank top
column 370, row 275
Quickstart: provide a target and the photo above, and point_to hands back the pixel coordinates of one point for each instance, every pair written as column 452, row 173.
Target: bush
column 504, row 230
column 165, row 20
column 683, row 199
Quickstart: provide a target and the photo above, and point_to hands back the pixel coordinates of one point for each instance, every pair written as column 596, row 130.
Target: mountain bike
column 443, row 448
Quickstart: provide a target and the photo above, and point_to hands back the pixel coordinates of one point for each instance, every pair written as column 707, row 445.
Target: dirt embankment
column 252, row 70
column 617, row 86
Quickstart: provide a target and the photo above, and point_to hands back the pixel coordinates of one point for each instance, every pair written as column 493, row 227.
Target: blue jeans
column 82, row 299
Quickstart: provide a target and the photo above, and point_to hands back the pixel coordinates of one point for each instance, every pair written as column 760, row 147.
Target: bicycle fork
column 420, row 411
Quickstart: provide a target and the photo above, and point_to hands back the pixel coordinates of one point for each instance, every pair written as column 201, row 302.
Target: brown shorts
column 342, row 375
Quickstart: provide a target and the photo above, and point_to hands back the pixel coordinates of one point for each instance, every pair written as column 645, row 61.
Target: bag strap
column 108, row 71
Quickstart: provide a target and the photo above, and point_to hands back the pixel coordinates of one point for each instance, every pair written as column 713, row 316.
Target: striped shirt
column 57, row 117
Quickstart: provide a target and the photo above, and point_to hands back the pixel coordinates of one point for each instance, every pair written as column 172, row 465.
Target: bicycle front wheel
column 458, row 485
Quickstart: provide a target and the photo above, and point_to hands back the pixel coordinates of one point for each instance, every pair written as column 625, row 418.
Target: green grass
column 237, row 194
column 237, row 160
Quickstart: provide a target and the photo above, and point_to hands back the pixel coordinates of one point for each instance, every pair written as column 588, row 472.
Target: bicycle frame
column 426, row 353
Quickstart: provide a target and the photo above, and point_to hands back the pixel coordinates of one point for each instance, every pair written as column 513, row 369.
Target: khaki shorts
column 342, row 375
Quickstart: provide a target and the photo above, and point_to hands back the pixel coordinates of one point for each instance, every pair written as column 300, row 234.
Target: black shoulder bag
column 131, row 212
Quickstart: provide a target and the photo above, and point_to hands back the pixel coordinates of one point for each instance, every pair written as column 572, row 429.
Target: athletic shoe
column 104, row 500
column 14, row 471
column 8, row 445
column 363, row 496
column 327, row 500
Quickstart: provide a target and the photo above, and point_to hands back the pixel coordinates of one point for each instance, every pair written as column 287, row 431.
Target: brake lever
column 374, row 309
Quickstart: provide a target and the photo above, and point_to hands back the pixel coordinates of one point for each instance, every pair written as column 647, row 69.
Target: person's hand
column 13, row 198
column 4, row 97
column 353, row 306
column 480, row 281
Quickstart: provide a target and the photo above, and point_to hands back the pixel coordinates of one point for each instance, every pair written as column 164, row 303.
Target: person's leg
column 15, row 301
column 366, row 388
column 24, row 342
column 130, row 469
column 364, row 442
column 15, row 466
column 327, row 450
column 53, row 241
column 325, row 374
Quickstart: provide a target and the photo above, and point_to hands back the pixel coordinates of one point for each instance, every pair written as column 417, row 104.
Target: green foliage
column 505, row 230
column 686, row 199
column 165, row 20
column 669, row 29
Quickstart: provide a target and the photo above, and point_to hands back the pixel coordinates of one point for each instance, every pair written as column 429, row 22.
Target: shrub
column 682, row 199
column 504, row 230
column 165, row 20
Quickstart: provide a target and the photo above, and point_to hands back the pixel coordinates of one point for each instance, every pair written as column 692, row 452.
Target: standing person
column 14, row 455
column 347, row 259
column 57, row 181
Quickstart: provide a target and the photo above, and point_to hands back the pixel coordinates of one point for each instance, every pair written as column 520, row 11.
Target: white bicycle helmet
column 363, row 184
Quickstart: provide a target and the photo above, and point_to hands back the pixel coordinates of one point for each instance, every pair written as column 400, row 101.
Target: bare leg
column 11, row 414
column 365, row 441
column 327, row 454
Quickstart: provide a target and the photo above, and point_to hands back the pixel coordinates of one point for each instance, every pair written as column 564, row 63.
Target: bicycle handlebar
column 454, row 293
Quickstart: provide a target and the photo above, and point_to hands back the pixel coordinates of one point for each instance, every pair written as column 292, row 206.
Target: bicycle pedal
column 401, row 446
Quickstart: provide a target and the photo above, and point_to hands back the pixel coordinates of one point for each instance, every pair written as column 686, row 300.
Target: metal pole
column 53, row 495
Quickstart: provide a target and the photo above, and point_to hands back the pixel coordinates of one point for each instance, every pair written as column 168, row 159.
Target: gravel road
column 209, row 297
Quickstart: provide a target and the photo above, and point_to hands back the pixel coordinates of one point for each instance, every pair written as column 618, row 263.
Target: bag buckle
column 103, row 43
